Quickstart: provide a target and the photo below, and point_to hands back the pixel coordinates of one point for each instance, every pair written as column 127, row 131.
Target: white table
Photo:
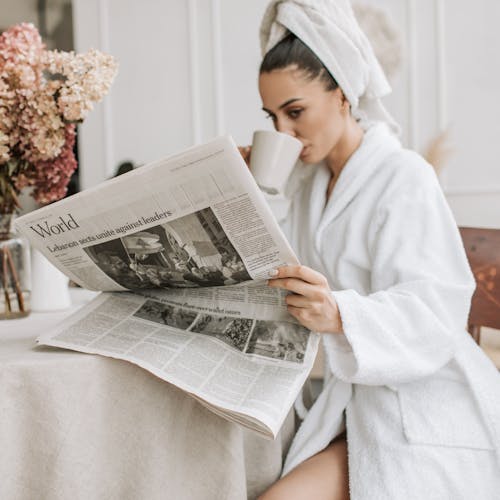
column 80, row 426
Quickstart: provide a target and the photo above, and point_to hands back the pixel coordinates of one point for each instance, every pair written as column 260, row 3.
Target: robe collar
column 377, row 144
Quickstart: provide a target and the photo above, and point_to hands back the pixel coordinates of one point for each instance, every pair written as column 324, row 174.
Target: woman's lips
column 304, row 152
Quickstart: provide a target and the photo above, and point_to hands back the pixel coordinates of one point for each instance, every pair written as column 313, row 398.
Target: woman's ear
column 344, row 103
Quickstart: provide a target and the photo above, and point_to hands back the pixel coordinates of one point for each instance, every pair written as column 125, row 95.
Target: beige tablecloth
column 85, row 427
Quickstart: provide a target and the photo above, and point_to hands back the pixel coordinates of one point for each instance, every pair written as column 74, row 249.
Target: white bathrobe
column 420, row 401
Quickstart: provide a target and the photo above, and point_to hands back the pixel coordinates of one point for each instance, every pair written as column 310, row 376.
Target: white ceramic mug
column 272, row 159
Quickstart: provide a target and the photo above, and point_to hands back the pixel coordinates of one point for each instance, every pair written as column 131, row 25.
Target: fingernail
column 273, row 272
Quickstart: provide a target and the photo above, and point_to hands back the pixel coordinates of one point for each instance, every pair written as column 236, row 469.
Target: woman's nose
column 285, row 128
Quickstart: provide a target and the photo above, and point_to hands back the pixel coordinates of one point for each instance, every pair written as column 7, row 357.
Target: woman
column 410, row 406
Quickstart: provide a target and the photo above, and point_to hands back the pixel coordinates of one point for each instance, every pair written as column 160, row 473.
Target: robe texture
column 419, row 399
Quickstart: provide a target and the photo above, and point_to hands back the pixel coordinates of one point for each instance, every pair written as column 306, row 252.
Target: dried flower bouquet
column 43, row 94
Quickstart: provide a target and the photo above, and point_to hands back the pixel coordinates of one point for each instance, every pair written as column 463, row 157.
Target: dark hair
column 291, row 51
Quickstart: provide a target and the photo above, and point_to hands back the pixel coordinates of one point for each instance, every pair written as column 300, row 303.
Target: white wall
column 188, row 71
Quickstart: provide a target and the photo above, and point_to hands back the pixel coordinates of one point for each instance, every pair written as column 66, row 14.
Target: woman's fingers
column 298, row 301
column 303, row 273
column 311, row 302
column 294, row 285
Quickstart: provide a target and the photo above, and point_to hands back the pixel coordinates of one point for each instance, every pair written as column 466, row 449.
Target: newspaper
column 188, row 242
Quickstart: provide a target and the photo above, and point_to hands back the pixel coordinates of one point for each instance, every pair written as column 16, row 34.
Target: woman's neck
column 343, row 150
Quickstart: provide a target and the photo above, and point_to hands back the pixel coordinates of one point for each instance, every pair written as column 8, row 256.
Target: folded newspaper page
column 190, row 240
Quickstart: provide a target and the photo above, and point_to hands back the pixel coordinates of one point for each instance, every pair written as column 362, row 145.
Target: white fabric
column 421, row 400
column 330, row 30
column 86, row 427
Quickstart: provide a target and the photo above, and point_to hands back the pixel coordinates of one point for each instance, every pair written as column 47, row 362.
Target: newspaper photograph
column 190, row 251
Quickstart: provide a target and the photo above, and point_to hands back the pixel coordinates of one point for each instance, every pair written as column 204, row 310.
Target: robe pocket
column 442, row 412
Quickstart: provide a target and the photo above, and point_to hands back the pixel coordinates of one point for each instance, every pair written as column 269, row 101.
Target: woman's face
column 304, row 109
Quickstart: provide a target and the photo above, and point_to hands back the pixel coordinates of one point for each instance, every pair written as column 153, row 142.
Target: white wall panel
column 476, row 210
column 473, row 66
column 426, row 85
column 152, row 112
column 205, row 63
column 240, row 64
column 148, row 113
column 92, row 136
column 473, row 103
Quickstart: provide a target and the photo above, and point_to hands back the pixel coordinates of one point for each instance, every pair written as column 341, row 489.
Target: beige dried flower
column 439, row 151
column 4, row 147
column 85, row 79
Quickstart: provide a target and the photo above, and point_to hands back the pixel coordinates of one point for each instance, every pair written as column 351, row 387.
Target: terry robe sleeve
column 421, row 286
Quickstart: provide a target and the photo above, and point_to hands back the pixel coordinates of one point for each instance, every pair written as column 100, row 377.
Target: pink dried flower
column 50, row 177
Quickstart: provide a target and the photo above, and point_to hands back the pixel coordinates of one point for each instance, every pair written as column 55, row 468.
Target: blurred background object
column 123, row 168
column 384, row 35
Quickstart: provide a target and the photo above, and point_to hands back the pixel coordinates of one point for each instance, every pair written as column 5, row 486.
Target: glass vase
column 15, row 282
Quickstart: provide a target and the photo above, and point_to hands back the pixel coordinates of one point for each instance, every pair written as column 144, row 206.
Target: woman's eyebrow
column 286, row 103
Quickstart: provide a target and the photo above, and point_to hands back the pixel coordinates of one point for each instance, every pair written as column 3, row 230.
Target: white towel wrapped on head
column 330, row 30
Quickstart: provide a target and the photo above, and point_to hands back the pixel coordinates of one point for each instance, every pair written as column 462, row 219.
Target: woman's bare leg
column 324, row 476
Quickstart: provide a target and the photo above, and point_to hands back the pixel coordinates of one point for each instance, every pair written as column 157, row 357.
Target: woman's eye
column 272, row 117
column 294, row 113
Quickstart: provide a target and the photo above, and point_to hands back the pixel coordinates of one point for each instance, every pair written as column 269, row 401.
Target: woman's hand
column 245, row 151
column 310, row 301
